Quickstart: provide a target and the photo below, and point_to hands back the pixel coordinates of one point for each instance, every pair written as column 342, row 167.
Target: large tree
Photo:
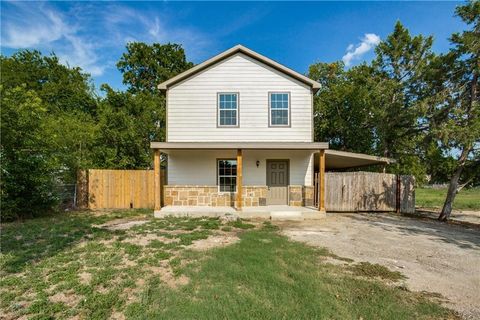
column 47, row 125
column 28, row 165
column 343, row 107
column 401, row 63
column 145, row 66
column 456, row 119
column 127, row 123
column 376, row 108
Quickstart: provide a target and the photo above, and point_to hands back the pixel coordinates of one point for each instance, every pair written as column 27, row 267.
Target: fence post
column 82, row 189
column 321, row 181
column 397, row 194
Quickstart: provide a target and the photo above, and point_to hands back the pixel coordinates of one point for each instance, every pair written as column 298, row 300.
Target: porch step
column 286, row 215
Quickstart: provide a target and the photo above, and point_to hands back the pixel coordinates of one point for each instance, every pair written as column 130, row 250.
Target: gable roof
column 230, row 52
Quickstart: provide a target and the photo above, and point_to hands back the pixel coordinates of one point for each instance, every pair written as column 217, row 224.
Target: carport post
column 157, row 176
column 321, row 181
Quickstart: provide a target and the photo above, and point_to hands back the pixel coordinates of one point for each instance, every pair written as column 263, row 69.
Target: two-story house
column 240, row 134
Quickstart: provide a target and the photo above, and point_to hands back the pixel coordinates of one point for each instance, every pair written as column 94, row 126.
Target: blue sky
column 93, row 35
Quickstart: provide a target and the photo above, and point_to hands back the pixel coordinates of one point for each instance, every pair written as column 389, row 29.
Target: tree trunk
column 453, row 186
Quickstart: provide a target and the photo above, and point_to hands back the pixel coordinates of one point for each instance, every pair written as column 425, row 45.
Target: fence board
column 120, row 189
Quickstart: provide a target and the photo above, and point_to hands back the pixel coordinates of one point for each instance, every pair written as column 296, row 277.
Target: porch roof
column 335, row 159
column 165, row 146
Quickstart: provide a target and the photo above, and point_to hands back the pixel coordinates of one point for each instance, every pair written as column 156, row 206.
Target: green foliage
column 145, row 66
column 126, row 124
column 28, row 165
column 344, row 109
column 53, row 123
column 58, row 86
column 408, row 104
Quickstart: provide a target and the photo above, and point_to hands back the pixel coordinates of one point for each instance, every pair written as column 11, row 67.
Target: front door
column 277, row 181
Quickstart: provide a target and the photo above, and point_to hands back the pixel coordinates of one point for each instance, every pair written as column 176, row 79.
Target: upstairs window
column 227, row 175
column 279, row 109
column 228, row 109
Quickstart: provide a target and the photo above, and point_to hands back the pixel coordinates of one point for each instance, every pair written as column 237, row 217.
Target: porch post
column 321, row 181
column 157, row 180
column 239, row 178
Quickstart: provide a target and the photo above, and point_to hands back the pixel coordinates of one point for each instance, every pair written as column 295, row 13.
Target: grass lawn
column 467, row 199
column 86, row 265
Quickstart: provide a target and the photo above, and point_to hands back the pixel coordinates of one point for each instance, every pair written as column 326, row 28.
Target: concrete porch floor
column 274, row 212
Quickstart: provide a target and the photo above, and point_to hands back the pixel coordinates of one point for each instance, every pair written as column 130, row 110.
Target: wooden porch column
column 321, row 181
column 157, row 179
column 239, row 178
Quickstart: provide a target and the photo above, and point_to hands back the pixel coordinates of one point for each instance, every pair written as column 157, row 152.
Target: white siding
column 199, row 167
column 192, row 104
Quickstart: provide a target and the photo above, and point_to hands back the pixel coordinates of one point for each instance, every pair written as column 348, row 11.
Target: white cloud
column 38, row 26
column 368, row 41
column 93, row 35
column 126, row 24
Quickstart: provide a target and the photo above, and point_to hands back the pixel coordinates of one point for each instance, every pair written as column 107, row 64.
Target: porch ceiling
column 165, row 146
column 345, row 160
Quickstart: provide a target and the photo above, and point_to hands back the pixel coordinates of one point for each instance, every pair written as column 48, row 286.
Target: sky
column 93, row 35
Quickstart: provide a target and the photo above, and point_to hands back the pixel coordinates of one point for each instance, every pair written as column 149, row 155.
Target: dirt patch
column 457, row 216
column 121, row 224
column 166, row 276
column 68, row 298
column 214, row 242
column 144, row 240
column 117, row 316
column 435, row 257
column 85, row 277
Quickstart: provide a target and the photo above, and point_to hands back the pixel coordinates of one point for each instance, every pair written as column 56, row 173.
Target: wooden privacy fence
column 368, row 191
column 115, row 189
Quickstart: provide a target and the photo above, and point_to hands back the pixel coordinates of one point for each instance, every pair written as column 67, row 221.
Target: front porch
column 244, row 177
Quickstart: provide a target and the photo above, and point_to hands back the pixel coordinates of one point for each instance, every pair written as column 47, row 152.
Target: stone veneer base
column 252, row 196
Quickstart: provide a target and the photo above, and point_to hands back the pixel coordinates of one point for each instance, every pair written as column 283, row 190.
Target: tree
column 343, row 109
column 145, row 66
column 47, row 126
column 456, row 121
column 61, row 88
column 28, row 167
column 401, row 65
column 376, row 108
column 127, row 123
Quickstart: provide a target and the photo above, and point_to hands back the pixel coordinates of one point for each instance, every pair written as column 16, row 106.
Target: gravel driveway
column 435, row 257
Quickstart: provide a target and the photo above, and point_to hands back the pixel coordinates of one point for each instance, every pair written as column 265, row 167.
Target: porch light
column 258, row 163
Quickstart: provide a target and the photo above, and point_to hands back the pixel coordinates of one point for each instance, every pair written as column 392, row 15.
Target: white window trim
column 218, row 176
column 270, row 125
column 237, row 94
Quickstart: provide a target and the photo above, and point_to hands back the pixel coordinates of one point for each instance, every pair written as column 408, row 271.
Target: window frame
column 218, row 175
column 237, row 110
column 289, row 124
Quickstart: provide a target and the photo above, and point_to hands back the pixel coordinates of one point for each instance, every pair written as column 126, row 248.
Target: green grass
column 64, row 266
column 466, row 199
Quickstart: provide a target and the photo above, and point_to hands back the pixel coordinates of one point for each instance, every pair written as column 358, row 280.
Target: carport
column 349, row 189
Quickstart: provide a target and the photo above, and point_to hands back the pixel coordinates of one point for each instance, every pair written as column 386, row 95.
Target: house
column 240, row 135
